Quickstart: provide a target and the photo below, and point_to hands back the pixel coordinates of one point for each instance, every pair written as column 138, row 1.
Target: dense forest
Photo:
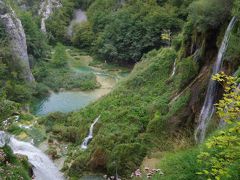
column 148, row 89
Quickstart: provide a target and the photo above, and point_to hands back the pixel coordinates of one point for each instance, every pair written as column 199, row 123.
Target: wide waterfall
column 43, row 167
column 46, row 9
column 208, row 106
column 90, row 134
column 17, row 38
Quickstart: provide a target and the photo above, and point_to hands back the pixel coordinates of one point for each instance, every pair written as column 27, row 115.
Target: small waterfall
column 17, row 37
column 208, row 106
column 79, row 17
column 46, row 9
column 90, row 134
column 43, row 167
column 174, row 68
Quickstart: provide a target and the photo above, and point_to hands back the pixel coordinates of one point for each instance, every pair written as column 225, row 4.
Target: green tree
column 83, row 36
column 135, row 29
column 36, row 40
column 7, row 107
column 208, row 14
column 59, row 58
column 221, row 157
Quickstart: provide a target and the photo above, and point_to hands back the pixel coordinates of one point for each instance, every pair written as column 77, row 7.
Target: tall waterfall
column 43, row 167
column 17, row 37
column 208, row 106
column 46, row 9
column 90, row 134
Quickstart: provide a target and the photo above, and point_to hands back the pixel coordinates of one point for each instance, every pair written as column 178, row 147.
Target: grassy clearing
column 179, row 165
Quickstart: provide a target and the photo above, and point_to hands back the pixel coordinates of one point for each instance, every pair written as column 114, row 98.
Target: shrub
column 137, row 26
column 220, row 158
column 83, row 36
column 179, row 165
column 209, row 14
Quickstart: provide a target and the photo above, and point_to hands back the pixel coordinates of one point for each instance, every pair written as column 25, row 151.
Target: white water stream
column 208, row 106
column 90, row 134
column 43, row 167
column 79, row 17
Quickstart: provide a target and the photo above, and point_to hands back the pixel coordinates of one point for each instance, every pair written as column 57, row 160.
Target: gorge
column 109, row 89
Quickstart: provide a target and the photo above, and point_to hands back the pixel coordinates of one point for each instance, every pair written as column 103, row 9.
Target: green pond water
column 68, row 101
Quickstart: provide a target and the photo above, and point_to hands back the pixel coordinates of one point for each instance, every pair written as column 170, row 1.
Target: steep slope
column 134, row 117
column 17, row 38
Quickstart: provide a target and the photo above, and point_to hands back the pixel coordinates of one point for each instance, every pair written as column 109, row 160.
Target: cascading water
column 90, row 134
column 174, row 68
column 79, row 17
column 208, row 106
column 46, row 9
column 43, row 167
column 15, row 31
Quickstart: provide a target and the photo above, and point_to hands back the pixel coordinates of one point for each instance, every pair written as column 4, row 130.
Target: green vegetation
column 149, row 111
column 179, row 165
column 137, row 26
column 209, row 14
column 13, row 166
column 57, row 24
column 57, row 74
column 122, row 125
column 220, row 158
column 12, row 85
column 36, row 40
column 83, row 36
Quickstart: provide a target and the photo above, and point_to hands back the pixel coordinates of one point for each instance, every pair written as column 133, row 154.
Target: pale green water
column 69, row 101
column 64, row 102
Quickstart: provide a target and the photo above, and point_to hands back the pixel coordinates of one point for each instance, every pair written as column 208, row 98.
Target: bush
column 58, row 23
column 179, row 165
column 220, row 158
column 83, row 36
column 36, row 40
column 7, row 108
column 59, row 57
column 12, row 166
column 209, row 14
column 137, row 26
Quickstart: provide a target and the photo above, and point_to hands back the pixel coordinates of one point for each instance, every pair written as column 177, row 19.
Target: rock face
column 16, row 34
column 46, row 9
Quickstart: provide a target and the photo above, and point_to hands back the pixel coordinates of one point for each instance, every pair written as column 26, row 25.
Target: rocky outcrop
column 46, row 9
column 17, row 39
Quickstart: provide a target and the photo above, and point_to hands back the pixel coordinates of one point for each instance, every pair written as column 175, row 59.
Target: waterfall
column 174, row 68
column 208, row 106
column 79, row 17
column 45, row 11
column 90, row 134
column 43, row 167
column 17, row 38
